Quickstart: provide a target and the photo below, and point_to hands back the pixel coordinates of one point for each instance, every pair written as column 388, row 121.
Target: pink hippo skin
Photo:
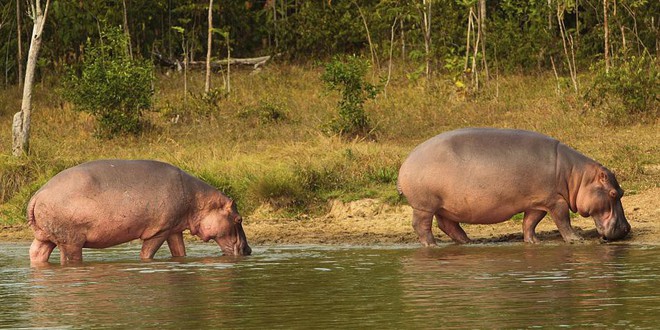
column 487, row 175
column 108, row 202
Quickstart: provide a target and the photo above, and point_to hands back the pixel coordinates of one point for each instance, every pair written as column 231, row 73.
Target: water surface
column 466, row 286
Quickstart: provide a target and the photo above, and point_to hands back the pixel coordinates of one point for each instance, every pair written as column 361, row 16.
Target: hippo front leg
column 562, row 219
column 422, row 222
column 176, row 245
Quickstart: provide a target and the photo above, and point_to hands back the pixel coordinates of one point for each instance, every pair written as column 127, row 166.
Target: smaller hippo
column 487, row 175
column 108, row 202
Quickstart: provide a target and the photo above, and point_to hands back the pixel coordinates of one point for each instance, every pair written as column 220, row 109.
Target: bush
column 111, row 87
column 347, row 77
column 630, row 88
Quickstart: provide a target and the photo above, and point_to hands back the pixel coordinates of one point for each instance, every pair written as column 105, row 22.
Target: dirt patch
column 369, row 221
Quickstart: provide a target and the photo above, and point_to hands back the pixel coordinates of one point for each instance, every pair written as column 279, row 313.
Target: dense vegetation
column 353, row 87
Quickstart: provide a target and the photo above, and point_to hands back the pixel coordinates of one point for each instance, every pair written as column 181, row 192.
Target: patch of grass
column 236, row 144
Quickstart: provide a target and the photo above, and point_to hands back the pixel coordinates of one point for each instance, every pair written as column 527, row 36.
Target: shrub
column 111, row 87
column 347, row 77
column 629, row 89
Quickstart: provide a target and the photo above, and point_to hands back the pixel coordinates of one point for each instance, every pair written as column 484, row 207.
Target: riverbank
column 369, row 222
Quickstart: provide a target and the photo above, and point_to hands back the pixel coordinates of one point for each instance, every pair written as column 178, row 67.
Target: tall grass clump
column 112, row 87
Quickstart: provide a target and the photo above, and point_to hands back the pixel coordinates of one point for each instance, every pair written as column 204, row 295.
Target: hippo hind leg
column 530, row 221
column 151, row 245
column 70, row 253
column 40, row 251
column 422, row 223
column 452, row 229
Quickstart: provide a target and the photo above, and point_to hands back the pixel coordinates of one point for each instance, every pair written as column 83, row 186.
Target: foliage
column 629, row 90
column 111, row 87
column 347, row 76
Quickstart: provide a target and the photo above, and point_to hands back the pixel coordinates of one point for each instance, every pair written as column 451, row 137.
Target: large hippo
column 108, row 202
column 486, row 175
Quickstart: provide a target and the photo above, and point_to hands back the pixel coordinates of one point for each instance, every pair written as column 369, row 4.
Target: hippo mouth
column 617, row 231
column 235, row 249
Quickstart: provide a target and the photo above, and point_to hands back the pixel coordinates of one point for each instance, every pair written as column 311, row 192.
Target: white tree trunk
column 209, row 44
column 426, row 28
column 21, row 122
column 19, row 43
column 127, row 32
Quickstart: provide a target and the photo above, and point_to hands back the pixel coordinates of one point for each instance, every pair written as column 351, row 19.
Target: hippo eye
column 613, row 193
column 238, row 220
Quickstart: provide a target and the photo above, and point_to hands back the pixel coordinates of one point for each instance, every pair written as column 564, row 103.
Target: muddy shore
column 368, row 221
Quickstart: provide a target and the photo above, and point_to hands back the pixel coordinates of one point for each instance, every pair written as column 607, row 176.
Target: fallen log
column 255, row 62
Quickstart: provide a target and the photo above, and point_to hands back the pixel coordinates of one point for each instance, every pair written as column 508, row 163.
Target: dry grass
column 288, row 162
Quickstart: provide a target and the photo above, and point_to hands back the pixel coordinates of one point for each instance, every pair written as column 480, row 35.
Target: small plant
column 347, row 77
column 111, row 87
column 266, row 112
column 629, row 89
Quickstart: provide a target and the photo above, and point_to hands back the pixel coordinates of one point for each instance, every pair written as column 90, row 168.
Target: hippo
column 487, row 175
column 103, row 203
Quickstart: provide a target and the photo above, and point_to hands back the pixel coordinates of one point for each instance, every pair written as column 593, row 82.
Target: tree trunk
column 209, row 44
column 19, row 43
column 606, row 33
column 426, row 27
column 482, row 35
column 126, row 31
column 21, row 122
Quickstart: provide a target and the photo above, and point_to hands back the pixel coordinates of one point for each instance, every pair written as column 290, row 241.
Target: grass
column 264, row 143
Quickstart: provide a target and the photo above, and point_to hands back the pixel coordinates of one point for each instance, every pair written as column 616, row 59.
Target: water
column 403, row 287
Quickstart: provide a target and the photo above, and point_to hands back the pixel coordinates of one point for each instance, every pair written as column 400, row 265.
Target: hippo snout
column 242, row 250
column 618, row 231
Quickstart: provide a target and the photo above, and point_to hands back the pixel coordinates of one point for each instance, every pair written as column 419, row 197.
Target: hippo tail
column 30, row 211
column 398, row 187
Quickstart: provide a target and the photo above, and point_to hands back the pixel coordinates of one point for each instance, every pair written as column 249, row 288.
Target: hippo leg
column 40, row 251
column 562, row 219
column 453, row 230
column 175, row 243
column 70, row 253
column 531, row 219
column 151, row 245
column 422, row 222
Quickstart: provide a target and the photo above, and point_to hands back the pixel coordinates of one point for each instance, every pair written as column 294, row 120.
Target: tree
column 21, row 122
column 209, row 43
column 19, row 43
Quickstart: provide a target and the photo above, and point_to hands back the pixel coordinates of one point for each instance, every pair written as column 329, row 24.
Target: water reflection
column 103, row 294
column 472, row 286
column 510, row 286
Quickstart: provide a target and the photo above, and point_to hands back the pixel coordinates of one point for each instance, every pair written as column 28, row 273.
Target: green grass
column 264, row 143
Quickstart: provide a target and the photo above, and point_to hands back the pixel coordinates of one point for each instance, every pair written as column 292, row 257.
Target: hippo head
column 224, row 225
column 601, row 199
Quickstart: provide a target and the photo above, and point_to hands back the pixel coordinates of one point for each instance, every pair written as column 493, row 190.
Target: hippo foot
column 532, row 240
column 574, row 239
column 428, row 244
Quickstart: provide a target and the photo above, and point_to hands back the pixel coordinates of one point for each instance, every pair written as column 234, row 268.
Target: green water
column 402, row 287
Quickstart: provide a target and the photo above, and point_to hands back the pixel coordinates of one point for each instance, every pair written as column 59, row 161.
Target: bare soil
column 369, row 221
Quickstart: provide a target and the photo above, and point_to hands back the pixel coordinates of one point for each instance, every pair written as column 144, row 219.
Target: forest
column 336, row 91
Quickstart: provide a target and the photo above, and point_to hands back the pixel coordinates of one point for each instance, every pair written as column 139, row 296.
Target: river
column 307, row 287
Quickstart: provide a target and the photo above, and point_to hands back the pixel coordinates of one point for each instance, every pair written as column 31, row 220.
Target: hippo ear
column 228, row 205
column 603, row 178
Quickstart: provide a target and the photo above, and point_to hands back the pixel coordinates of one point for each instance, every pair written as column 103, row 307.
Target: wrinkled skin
column 486, row 175
column 108, row 202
